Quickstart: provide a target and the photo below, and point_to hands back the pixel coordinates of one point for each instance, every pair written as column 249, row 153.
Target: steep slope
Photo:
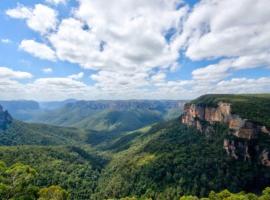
column 18, row 133
column 14, row 132
column 220, row 148
column 247, row 117
column 171, row 159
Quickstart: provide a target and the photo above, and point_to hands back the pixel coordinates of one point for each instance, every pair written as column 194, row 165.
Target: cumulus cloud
column 20, row 12
column 226, row 28
column 7, row 73
column 131, row 54
column 41, row 18
column 113, row 39
column 37, row 49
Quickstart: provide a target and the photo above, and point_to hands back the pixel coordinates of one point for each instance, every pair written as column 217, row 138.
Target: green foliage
column 171, row 159
column 160, row 162
column 71, row 168
column 53, row 193
column 189, row 198
column 17, row 182
column 40, row 134
column 223, row 195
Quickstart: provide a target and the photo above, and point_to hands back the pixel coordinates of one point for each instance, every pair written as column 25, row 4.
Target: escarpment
column 243, row 134
column 196, row 115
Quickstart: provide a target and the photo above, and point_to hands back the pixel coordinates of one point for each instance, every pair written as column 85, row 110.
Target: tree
column 17, row 182
column 53, row 193
column 189, row 198
column 265, row 194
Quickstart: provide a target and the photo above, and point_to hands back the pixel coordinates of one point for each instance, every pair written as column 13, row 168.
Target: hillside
column 171, row 159
column 18, row 133
column 111, row 115
column 164, row 160
column 14, row 132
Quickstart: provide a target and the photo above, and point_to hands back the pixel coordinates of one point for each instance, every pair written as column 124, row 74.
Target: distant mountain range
column 103, row 115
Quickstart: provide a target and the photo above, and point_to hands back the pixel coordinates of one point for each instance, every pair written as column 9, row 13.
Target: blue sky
column 156, row 49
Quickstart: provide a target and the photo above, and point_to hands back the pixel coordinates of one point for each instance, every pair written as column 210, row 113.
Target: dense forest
column 162, row 161
column 19, row 182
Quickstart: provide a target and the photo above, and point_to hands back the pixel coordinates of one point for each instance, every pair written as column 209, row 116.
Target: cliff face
column 194, row 115
column 202, row 117
column 5, row 118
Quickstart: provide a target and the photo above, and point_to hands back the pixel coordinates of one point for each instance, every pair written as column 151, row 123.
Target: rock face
column 5, row 118
column 195, row 115
column 202, row 117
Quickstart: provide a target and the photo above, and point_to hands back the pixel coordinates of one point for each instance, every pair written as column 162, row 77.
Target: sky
column 133, row 49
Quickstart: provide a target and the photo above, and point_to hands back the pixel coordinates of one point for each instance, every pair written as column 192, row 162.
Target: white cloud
column 5, row 41
column 244, row 85
column 56, row 88
column 160, row 77
column 37, row 49
column 20, row 12
column 76, row 76
column 123, row 46
column 226, row 28
column 47, row 70
column 120, row 81
column 132, row 56
column 116, row 40
column 41, row 18
column 7, row 73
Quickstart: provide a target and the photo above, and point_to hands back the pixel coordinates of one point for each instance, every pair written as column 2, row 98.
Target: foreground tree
column 17, row 183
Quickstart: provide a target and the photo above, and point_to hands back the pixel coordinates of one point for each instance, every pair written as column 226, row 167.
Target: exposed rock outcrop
column 5, row 118
column 247, row 131
column 195, row 115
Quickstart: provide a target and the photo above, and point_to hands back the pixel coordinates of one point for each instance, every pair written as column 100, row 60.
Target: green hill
column 21, row 133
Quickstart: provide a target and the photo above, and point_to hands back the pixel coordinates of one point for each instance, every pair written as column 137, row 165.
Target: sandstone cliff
column 202, row 117
column 194, row 115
